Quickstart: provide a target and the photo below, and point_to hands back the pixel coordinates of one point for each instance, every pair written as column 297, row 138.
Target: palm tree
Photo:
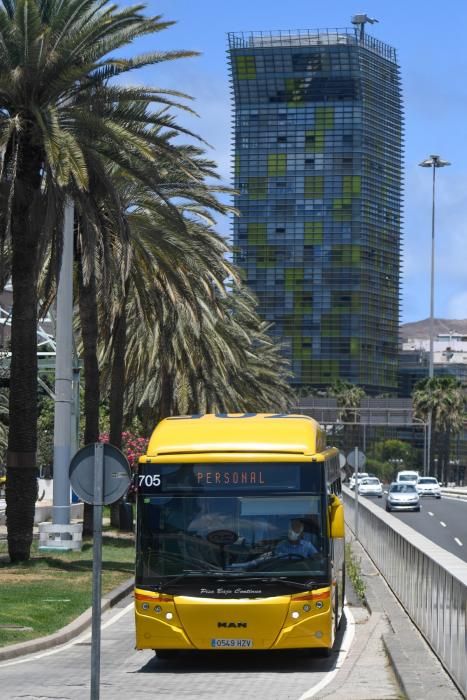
column 60, row 119
column 168, row 233
column 224, row 361
column 156, row 233
column 443, row 398
column 173, row 282
column 349, row 397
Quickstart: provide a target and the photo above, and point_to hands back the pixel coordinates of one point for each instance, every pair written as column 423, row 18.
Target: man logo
column 232, row 624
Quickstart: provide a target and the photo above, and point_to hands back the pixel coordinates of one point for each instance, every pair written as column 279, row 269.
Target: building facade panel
column 318, row 151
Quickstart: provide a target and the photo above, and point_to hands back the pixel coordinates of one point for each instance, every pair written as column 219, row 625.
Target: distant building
column 318, row 153
column 449, row 358
column 45, row 335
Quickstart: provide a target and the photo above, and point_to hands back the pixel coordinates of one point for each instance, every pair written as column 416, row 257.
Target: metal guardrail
column 429, row 582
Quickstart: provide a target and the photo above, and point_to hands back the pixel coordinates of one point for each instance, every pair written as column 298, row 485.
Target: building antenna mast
column 361, row 20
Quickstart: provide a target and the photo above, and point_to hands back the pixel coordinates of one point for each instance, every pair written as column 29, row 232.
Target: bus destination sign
column 226, row 477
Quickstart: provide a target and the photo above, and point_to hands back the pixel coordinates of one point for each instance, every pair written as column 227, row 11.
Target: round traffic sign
column 361, row 459
column 117, row 474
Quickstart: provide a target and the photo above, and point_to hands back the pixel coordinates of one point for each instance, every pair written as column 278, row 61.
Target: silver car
column 402, row 497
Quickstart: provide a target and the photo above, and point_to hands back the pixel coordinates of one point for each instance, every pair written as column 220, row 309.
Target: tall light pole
column 61, row 533
column 432, row 162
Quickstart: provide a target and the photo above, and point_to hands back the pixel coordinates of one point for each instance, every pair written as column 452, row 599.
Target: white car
column 371, row 486
column 428, row 486
column 402, row 497
column 360, row 476
column 407, row 477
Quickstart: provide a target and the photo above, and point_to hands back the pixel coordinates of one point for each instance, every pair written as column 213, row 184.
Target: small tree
column 349, row 397
column 442, row 400
column 387, row 457
column 132, row 446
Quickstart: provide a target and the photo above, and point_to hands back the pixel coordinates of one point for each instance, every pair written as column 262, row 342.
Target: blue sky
column 430, row 39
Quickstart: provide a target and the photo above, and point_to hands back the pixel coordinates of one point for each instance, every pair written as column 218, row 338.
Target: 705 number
column 149, row 480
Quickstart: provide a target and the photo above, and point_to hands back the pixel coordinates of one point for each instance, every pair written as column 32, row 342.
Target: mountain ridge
column 421, row 329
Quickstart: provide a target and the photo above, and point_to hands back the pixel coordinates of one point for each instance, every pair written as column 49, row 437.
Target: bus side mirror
column 336, row 517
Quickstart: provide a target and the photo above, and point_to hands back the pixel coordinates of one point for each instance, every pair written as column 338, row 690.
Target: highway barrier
column 429, row 582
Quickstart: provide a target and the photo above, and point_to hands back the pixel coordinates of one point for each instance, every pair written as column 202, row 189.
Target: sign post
column 356, row 492
column 99, row 474
column 357, row 460
column 97, row 569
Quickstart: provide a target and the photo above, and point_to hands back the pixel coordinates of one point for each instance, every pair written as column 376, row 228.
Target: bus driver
column 295, row 544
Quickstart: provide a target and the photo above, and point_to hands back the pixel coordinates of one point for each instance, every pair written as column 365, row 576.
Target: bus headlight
column 157, row 609
column 319, row 604
column 295, row 615
column 168, row 616
column 307, row 608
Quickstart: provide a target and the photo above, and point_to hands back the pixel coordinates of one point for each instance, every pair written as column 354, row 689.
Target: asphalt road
column 63, row 673
column 443, row 521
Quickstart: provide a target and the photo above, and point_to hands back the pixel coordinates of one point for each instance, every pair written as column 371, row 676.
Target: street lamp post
column 432, row 162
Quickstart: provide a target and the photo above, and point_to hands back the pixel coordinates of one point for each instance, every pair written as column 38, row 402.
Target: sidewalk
column 387, row 632
column 455, row 491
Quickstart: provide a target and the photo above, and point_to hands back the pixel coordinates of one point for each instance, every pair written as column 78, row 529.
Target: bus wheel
column 336, row 612
column 343, row 598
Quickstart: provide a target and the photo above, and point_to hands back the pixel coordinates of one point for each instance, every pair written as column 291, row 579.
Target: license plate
column 231, row 643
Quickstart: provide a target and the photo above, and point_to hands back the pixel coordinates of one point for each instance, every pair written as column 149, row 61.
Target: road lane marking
column 457, row 541
column 442, row 524
column 430, row 513
column 83, row 636
column 346, row 645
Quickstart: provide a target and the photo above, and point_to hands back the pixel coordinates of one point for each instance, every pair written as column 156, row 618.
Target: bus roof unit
column 293, row 434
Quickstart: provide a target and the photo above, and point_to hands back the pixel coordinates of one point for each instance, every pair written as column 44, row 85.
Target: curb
column 454, row 493
column 69, row 631
column 403, row 669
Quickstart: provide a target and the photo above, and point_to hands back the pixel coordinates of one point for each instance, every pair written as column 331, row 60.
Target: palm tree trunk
column 431, row 466
column 117, row 394
column 165, row 405
column 89, row 333
column 446, row 455
column 117, row 382
column 21, row 485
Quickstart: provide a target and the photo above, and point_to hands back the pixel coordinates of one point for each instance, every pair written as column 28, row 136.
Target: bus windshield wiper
column 265, row 579
column 297, row 584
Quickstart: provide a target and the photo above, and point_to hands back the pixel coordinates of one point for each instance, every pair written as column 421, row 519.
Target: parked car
column 370, row 487
column 360, row 476
column 408, row 476
column 428, row 486
column 402, row 496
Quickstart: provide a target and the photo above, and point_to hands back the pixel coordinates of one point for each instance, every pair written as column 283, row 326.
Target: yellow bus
column 240, row 535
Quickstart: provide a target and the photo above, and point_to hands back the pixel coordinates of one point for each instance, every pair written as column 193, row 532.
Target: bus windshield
column 214, row 530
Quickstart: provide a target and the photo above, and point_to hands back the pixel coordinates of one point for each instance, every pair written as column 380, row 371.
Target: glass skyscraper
column 318, row 168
